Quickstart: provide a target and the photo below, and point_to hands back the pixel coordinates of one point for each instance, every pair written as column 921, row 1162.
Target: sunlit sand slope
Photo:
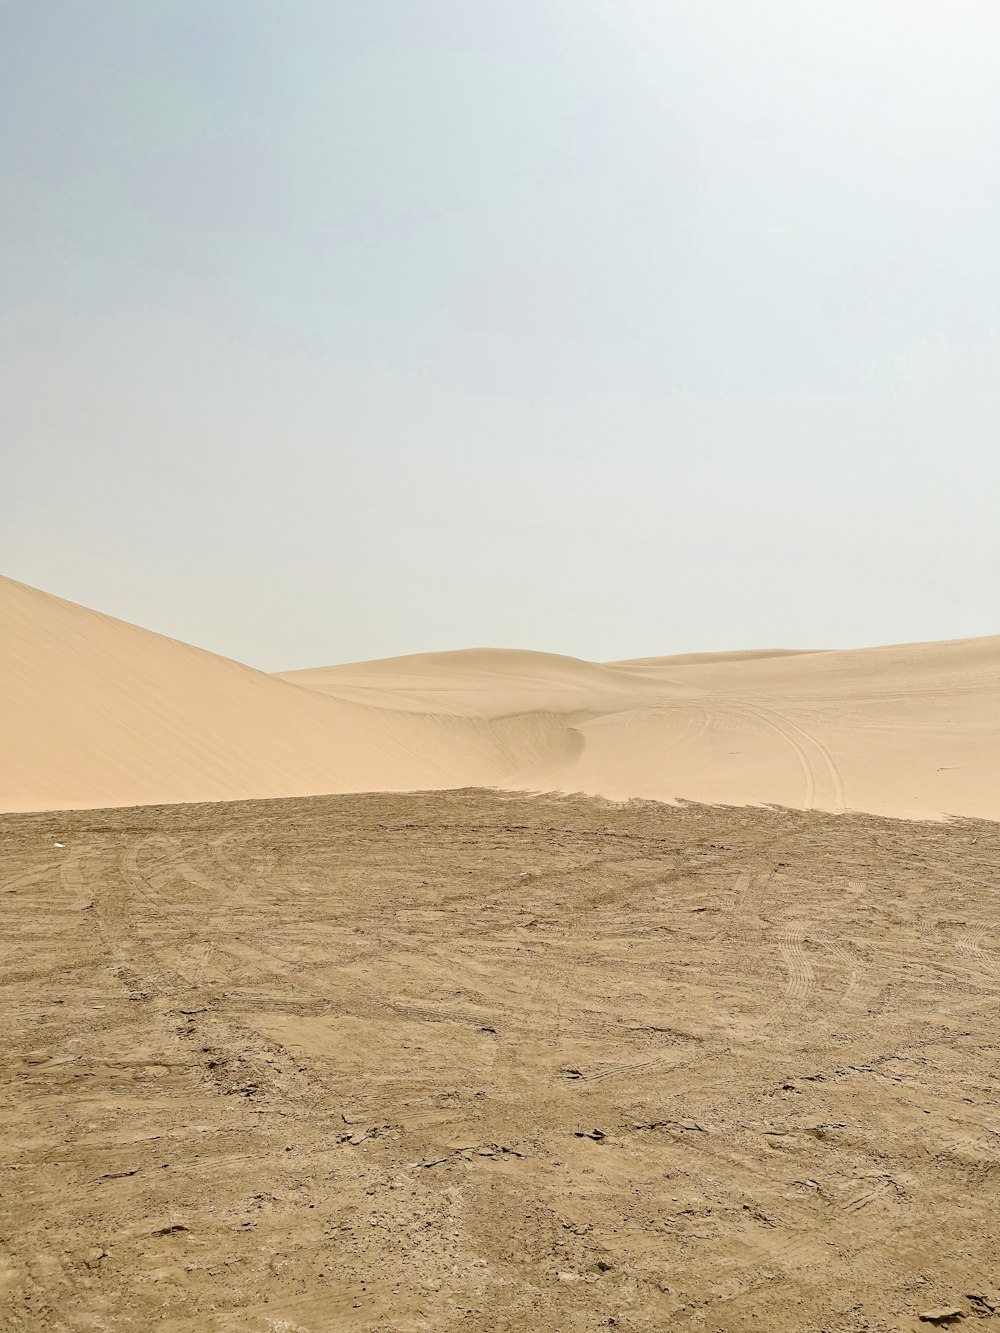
column 98, row 712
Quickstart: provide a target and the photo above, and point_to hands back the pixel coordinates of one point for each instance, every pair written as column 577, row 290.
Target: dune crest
column 98, row 712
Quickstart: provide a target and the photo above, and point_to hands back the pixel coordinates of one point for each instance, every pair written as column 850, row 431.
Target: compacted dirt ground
column 478, row 1061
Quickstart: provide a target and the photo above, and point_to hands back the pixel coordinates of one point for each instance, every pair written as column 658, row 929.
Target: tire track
column 790, row 732
column 745, row 926
column 801, row 980
column 152, row 879
column 799, row 1227
column 850, row 964
column 805, row 763
column 833, row 771
column 28, row 877
column 797, row 965
column 795, row 1250
column 655, row 1063
column 970, row 943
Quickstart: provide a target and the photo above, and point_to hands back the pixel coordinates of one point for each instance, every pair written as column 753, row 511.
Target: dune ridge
column 98, row 712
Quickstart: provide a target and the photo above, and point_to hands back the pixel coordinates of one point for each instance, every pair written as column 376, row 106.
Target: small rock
column 944, row 1315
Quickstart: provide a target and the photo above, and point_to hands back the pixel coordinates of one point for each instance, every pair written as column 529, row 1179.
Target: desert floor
column 476, row 1061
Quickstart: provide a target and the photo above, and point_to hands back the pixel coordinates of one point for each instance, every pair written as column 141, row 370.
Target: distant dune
column 97, row 712
column 700, row 659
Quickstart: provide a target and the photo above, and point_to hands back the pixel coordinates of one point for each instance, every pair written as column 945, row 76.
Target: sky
column 332, row 331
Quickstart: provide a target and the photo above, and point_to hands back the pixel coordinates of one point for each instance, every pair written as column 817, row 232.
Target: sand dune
column 910, row 730
column 479, row 682
column 98, row 713
column 700, row 659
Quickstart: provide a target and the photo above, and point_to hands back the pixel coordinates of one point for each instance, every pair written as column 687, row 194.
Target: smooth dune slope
column 97, row 712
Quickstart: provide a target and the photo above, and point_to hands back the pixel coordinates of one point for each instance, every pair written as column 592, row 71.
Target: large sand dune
column 99, row 713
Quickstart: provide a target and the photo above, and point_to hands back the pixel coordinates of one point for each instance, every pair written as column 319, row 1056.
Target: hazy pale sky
column 339, row 330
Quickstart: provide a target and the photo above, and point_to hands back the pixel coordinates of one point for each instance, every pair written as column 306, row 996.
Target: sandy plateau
column 450, row 1055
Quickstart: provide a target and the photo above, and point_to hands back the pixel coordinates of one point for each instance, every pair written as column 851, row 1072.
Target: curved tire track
column 793, row 956
column 798, row 738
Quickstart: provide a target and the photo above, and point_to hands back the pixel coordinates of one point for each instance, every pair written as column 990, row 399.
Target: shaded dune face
column 97, row 712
